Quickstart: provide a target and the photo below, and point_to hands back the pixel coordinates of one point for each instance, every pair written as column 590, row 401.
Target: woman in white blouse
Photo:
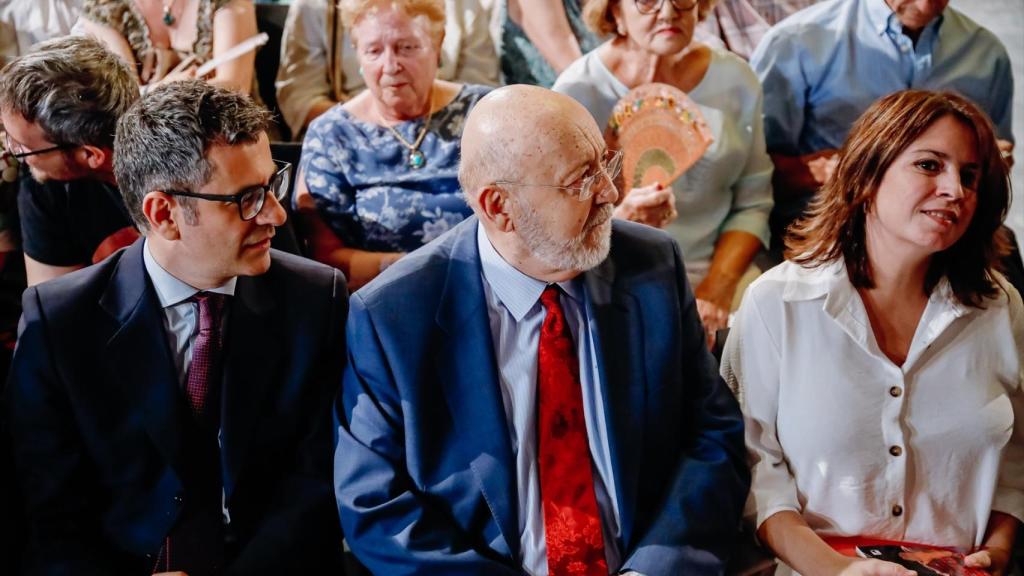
column 723, row 201
column 880, row 369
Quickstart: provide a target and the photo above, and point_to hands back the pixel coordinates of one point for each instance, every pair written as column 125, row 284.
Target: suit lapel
column 620, row 347
column 470, row 381
column 142, row 358
column 251, row 355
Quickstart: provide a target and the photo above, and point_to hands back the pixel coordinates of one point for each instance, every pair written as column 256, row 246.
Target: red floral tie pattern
column 572, row 525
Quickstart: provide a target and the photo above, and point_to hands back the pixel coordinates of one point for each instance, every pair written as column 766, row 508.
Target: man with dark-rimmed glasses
column 171, row 405
column 59, row 106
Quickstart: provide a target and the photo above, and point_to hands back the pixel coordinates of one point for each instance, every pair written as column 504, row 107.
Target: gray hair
column 73, row 88
column 162, row 141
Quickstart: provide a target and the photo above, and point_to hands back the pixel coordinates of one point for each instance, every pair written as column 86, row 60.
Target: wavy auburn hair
column 833, row 226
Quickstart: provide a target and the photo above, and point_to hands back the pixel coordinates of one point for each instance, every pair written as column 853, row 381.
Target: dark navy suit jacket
column 95, row 405
column 424, row 468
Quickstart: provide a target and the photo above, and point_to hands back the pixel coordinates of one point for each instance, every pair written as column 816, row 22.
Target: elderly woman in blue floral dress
column 380, row 171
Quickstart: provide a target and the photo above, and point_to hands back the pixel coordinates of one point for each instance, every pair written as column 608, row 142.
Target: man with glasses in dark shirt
column 59, row 106
column 171, row 405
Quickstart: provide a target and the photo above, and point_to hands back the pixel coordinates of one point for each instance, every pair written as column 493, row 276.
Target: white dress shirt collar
column 841, row 302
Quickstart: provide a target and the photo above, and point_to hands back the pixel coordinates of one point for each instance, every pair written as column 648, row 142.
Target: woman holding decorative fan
column 724, row 199
column 381, row 170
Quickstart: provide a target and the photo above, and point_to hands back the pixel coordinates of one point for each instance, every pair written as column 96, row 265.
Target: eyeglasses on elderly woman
column 654, row 6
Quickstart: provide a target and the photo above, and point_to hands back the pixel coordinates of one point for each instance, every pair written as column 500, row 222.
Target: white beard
column 582, row 252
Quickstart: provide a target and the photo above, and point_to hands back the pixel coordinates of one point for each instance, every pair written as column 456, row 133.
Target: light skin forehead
column 948, row 137
column 20, row 129
column 240, row 166
column 389, row 24
column 546, row 134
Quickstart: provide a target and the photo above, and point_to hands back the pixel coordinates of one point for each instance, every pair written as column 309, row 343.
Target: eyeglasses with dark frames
column 608, row 171
column 654, row 6
column 19, row 151
column 251, row 200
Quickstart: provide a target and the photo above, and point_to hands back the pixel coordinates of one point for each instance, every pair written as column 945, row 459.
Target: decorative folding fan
column 661, row 133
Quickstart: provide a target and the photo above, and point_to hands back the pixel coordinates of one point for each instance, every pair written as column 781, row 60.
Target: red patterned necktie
column 205, row 351
column 572, row 525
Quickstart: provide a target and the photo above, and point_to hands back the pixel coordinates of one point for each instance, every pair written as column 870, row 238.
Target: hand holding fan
column 661, row 133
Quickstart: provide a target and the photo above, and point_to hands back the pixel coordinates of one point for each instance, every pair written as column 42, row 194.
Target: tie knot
column 549, row 297
column 554, row 321
column 211, row 306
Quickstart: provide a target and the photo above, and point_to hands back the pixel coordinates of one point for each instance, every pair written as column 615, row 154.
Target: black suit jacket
column 95, row 405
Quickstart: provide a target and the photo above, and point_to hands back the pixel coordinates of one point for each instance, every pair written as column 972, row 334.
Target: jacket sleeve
column 389, row 525
column 50, row 459
column 299, row 531
column 699, row 513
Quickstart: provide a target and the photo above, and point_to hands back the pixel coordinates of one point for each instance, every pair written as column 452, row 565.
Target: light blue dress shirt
column 823, row 66
column 180, row 313
column 516, row 316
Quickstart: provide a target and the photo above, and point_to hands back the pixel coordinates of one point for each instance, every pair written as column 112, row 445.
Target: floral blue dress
column 364, row 187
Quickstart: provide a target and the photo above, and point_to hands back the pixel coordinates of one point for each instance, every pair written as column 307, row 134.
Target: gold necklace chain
column 416, row 158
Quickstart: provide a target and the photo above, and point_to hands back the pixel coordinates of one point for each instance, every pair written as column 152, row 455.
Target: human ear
column 93, row 157
column 618, row 19
column 495, row 207
column 158, row 208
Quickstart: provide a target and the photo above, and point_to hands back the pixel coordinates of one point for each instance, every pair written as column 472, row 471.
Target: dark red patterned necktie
column 205, row 351
column 195, row 544
column 572, row 524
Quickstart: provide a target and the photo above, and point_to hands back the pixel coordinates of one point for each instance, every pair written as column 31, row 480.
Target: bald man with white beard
column 531, row 393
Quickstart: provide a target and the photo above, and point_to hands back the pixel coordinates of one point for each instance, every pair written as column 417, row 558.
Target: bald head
column 515, row 130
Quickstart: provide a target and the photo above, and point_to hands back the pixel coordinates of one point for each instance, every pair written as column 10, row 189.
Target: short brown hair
column 353, row 10
column 164, row 139
column 72, row 87
column 597, row 14
column 833, row 227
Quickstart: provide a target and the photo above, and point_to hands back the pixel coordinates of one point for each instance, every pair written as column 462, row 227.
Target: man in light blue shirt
column 823, row 66
column 539, row 335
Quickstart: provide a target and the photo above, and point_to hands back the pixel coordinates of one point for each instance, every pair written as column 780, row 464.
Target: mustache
column 600, row 216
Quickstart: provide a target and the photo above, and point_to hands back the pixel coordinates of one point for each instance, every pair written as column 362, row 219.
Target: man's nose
column 609, row 193
column 272, row 213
